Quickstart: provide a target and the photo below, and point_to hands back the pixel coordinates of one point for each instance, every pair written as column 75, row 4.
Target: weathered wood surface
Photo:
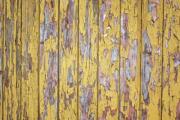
column 30, row 44
column 12, row 60
column 48, row 61
column 171, row 61
column 89, row 59
column 151, row 59
column 88, row 41
column 68, row 59
column 130, row 59
column 108, row 53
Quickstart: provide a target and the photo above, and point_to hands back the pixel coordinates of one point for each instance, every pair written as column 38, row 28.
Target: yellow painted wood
column 68, row 56
column 151, row 59
column 1, row 54
column 130, row 59
column 30, row 44
column 171, row 58
column 48, row 62
column 12, row 53
column 89, row 59
column 88, row 39
column 108, row 68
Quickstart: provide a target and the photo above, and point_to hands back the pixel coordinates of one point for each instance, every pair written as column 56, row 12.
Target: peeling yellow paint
column 130, row 59
column 48, row 76
column 171, row 53
column 108, row 67
column 89, row 59
column 88, row 38
column 30, row 45
column 68, row 54
column 11, row 74
column 151, row 58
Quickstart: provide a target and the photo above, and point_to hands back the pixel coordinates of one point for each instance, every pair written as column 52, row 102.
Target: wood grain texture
column 88, row 39
column 30, row 44
column 130, row 59
column 151, row 59
column 12, row 60
column 48, row 76
column 68, row 59
column 89, row 59
column 171, row 61
column 108, row 67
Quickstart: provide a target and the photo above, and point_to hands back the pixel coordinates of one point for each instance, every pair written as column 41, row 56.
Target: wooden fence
column 90, row 59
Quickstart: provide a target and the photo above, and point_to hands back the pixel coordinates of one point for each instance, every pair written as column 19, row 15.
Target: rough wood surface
column 89, row 59
column 48, row 61
column 88, row 39
column 68, row 59
column 151, row 59
column 130, row 59
column 30, row 44
column 108, row 67
column 12, row 60
column 171, row 61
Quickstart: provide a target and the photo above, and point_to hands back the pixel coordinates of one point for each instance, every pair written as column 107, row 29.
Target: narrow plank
column 108, row 69
column 18, row 48
column 30, row 45
column 88, row 38
column 48, row 76
column 1, row 54
column 11, row 84
column 152, row 14
column 68, row 55
column 130, row 59
column 171, row 61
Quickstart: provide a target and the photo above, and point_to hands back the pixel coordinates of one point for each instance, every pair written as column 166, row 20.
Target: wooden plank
column 108, row 69
column 12, row 53
column 30, row 45
column 68, row 59
column 1, row 54
column 151, row 59
column 130, row 59
column 88, row 38
column 48, row 76
column 18, row 74
column 171, row 61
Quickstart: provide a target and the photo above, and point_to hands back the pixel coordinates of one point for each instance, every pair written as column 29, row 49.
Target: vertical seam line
column 38, row 60
column 58, row 63
column 97, row 74
column 119, row 88
column 3, row 39
column 162, row 70
column 141, row 24
column 78, row 65
column 21, row 65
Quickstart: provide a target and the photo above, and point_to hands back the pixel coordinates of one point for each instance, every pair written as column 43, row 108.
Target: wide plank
column 48, row 61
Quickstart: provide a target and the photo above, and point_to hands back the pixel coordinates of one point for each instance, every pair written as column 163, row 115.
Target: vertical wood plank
column 68, row 54
column 48, row 79
column 88, row 38
column 152, row 18
column 18, row 54
column 108, row 59
column 171, row 61
column 1, row 55
column 130, row 59
column 30, row 45
column 12, row 53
